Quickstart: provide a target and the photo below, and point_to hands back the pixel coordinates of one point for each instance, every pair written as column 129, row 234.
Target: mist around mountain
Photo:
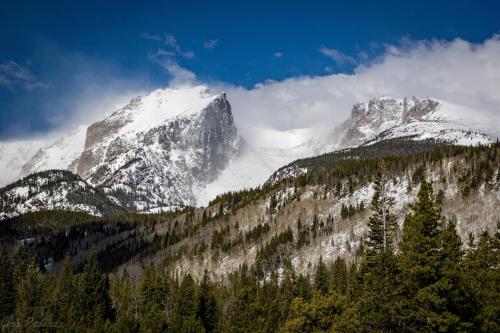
column 163, row 217
column 179, row 147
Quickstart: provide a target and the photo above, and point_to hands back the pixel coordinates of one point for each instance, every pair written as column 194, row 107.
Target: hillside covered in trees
column 395, row 243
column 429, row 284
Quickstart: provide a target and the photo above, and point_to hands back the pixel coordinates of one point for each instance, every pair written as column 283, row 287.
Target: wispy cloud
column 340, row 58
column 278, row 55
column 171, row 42
column 211, row 44
column 13, row 75
column 148, row 36
column 179, row 76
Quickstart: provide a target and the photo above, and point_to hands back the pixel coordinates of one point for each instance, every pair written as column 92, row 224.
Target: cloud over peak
column 463, row 74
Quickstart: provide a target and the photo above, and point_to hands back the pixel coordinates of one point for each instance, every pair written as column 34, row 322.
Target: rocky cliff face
column 379, row 114
column 152, row 152
column 178, row 147
column 157, row 169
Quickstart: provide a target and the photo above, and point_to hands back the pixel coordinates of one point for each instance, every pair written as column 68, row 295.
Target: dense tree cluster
column 430, row 284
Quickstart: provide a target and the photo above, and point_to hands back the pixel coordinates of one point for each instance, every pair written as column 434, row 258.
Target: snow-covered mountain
column 53, row 190
column 419, row 119
column 152, row 153
column 178, row 147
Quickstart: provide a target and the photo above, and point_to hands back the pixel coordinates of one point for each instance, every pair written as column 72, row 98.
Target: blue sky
column 54, row 55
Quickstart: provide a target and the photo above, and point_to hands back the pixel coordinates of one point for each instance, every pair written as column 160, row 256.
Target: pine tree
column 382, row 221
column 207, row 305
column 7, row 292
column 185, row 319
column 95, row 304
column 339, row 276
column 344, row 212
column 377, row 303
column 479, row 306
column 424, row 285
column 28, row 299
column 321, row 277
column 64, row 295
column 152, row 316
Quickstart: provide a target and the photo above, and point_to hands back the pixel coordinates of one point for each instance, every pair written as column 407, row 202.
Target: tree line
column 428, row 282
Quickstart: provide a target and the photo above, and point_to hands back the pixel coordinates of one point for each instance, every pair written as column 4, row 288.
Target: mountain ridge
column 180, row 147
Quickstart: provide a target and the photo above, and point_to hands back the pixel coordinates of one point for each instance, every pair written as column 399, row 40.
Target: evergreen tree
column 321, row 277
column 425, row 287
column 95, row 304
column 185, row 319
column 339, row 276
column 64, row 296
column 28, row 299
column 344, row 211
column 480, row 307
column 152, row 297
column 382, row 221
column 7, row 292
column 316, row 315
column 377, row 296
column 207, row 305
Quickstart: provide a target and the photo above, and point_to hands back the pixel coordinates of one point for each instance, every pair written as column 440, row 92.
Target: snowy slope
column 177, row 147
column 441, row 131
column 53, row 190
column 151, row 153
column 388, row 117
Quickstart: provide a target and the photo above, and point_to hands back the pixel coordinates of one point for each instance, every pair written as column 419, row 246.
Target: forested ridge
column 429, row 284
column 418, row 278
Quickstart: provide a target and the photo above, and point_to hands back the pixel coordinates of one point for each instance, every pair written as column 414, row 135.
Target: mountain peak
column 383, row 112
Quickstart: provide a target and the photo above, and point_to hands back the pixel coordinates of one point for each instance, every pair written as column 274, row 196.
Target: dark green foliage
column 7, row 292
column 428, row 263
column 382, row 221
column 207, row 305
column 321, row 277
column 272, row 255
column 93, row 297
column 257, row 232
column 428, row 285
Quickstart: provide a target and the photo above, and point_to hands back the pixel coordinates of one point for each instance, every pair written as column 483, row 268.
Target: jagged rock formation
column 387, row 117
column 180, row 147
column 149, row 154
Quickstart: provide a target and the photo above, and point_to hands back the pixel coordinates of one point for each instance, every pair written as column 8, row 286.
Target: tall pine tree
column 424, row 261
column 382, row 221
column 7, row 292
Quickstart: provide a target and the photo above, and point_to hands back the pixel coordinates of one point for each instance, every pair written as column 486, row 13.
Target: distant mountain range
column 180, row 147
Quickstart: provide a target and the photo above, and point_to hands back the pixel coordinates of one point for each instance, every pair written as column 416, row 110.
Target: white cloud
column 13, row 75
column 210, row 44
column 337, row 56
column 458, row 72
column 179, row 76
column 278, row 55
